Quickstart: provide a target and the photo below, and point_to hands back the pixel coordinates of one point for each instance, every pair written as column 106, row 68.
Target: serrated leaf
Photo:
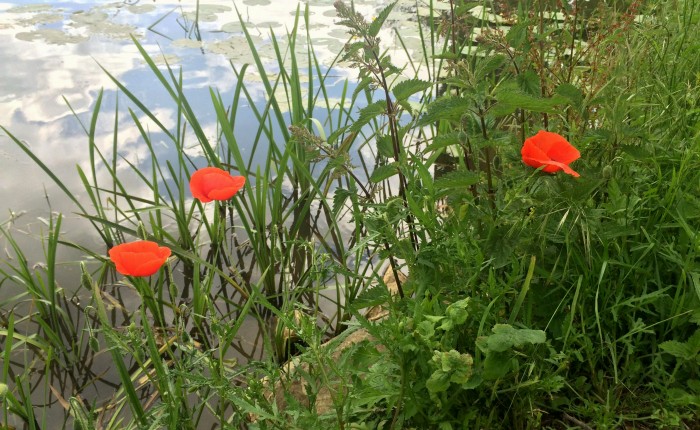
column 448, row 108
column 488, row 65
column 351, row 49
column 677, row 349
column 688, row 350
column 529, row 83
column 385, row 146
column 367, row 114
column 572, row 93
column 510, row 98
column 339, row 197
column 445, row 140
column 384, row 172
column 403, row 90
column 374, row 296
column 364, row 83
column 636, row 151
column 460, row 179
column 377, row 23
column 517, row 35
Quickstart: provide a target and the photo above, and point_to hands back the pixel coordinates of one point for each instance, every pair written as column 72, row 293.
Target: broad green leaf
column 404, row 90
column 445, row 140
column 448, row 108
column 339, row 197
column 385, row 146
column 438, row 382
column 677, row 349
column 460, row 179
column 384, row 172
column 529, row 83
column 572, row 93
column 488, row 65
column 517, row 35
column 374, row 296
column 377, row 23
column 510, row 98
column 496, row 365
column 505, row 337
column 368, row 113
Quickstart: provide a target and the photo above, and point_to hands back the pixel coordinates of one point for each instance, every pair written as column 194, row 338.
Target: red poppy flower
column 212, row 183
column 140, row 258
column 550, row 150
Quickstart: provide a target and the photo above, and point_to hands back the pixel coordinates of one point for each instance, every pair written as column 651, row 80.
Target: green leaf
column 447, row 108
column 438, row 382
column 677, row 349
column 505, row 337
column 572, row 93
column 687, row 351
column 81, row 416
column 426, row 330
column 529, row 82
column 385, row 146
column 339, row 197
column 457, row 311
column 445, row 140
column 374, row 296
column 452, row 366
column 488, row 65
column 510, row 98
column 377, row 23
column 459, row 179
column 384, row 172
column 517, row 35
column 351, row 49
column 496, row 365
column 368, row 113
column 363, row 85
column 404, row 90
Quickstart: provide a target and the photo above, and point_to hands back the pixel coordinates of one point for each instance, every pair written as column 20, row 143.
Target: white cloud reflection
column 50, row 55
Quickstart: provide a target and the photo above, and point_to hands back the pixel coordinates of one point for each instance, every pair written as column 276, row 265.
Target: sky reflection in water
column 51, row 53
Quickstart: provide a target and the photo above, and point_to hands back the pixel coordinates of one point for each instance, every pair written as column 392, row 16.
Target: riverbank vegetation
column 528, row 182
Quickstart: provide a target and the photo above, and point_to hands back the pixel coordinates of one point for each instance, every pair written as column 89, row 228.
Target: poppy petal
column 212, row 183
column 139, row 258
column 554, row 166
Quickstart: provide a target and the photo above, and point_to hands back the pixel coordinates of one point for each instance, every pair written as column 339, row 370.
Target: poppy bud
column 607, row 172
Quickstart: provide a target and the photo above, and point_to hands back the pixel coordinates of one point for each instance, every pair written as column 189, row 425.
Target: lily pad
column 187, row 43
column 88, row 18
column 232, row 27
column 51, row 36
column 257, row 2
column 42, row 18
column 30, row 8
column 141, row 8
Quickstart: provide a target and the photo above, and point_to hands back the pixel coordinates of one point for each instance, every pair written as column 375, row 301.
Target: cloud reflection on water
column 43, row 69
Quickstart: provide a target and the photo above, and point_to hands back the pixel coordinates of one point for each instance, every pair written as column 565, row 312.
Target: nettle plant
column 506, row 263
column 463, row 330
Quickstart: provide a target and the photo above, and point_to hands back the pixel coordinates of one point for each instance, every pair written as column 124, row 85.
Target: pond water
column 52, row 54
